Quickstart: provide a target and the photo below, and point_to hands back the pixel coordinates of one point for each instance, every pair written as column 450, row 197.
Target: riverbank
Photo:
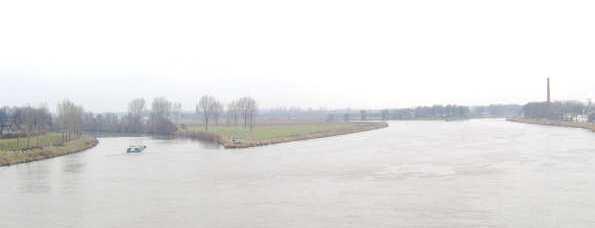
column 16, row 157
column 556, row 123
column 274, row 134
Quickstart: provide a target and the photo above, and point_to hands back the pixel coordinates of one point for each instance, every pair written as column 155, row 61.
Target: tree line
column 559, row 110
column 421, row 112
column 24, row 122
column 496, row 111
column 427, row 112
column 164, row 116
column 155, row 118
column 32, row 122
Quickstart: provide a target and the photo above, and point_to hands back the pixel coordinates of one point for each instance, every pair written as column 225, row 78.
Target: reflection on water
column 481, row 173
column 208, row 145
column 73, row 167
column 33, row 178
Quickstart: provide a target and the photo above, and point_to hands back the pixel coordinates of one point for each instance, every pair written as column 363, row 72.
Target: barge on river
column 136, row 149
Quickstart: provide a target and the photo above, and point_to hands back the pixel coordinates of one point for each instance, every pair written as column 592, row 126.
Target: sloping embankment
column 556, row 123
column 228, row 143
column 74, row 146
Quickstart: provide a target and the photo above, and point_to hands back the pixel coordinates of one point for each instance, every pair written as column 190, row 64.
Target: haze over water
column 478, row 173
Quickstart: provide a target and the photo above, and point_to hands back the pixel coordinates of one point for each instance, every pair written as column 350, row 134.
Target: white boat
column 136, row 149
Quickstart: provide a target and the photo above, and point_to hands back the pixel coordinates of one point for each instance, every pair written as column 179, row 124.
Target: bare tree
column 16, row 123
column 248, row 108
column 136, row 110
column 17, row 120
column 42, row 121
column 29, row 123
column 160, row 114
column 4, row 120
column 70, row 119
column 233, row 113
column 176, row 112
column 63, row 110
column 110, row 122
column 253, row 111
column 161, row 107
column 206, row 104
column 217, row 111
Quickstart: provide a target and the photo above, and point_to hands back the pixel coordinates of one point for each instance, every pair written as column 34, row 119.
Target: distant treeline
column 560, row 110
column 162, row 117
column 71, row 120
column 435, row 112
column 427, row 112
column 496, row 111
column 138, row 119
column 24, row 121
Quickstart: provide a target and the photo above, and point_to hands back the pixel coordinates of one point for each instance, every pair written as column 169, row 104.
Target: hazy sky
column 334, row 54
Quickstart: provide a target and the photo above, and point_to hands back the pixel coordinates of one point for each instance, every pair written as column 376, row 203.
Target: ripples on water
column 479, row 173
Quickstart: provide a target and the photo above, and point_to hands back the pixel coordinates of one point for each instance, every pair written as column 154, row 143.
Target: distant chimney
column 549, row 100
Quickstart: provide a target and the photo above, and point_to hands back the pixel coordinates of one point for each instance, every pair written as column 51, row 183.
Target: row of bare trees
column 242, row 111
column 210, row 109
column 70, row 119
column 140, row 118
column 163, row 115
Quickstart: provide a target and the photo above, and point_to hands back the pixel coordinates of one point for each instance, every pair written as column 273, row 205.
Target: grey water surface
column 478, row 173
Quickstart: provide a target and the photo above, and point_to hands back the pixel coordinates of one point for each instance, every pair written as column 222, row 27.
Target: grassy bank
column 49, row 150
column 22, row 143
column 277, row 133
column 557, row 123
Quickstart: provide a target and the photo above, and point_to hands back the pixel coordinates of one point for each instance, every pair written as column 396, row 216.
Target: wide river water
column 478, row 173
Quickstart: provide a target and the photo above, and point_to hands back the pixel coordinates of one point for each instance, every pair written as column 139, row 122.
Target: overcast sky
column 334, row 54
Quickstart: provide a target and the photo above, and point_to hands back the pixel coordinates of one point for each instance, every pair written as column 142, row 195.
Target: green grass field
column 282, row 132
column 271, row 132
column 14, row 144
column 76, row 145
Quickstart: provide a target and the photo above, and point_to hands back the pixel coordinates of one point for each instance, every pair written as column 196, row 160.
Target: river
column 478, row 173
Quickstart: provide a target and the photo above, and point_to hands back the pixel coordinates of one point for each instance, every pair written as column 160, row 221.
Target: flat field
column 265, row 134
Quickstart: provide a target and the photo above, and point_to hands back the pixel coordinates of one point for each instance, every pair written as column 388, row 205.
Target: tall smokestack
column 549, row 100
